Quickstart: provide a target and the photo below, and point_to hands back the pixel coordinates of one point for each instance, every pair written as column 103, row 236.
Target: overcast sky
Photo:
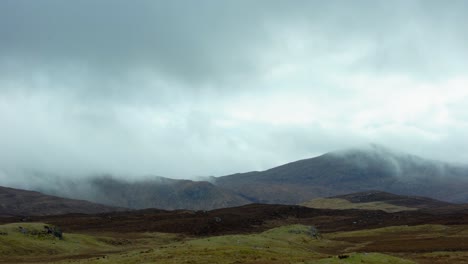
column 197, row 88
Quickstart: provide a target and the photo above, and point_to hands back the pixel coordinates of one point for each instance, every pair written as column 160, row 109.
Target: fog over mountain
column 184, row 89
column 361, row 169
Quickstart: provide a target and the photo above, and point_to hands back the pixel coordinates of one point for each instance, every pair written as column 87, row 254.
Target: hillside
column 418, row 202
column 335, row 173
column 157, row 192
column 15, row 202
column 376, row 200
column 355, row 170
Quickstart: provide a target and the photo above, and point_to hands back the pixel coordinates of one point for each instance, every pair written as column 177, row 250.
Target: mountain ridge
column 17, row 202
column 353, row 170
column 334, row 173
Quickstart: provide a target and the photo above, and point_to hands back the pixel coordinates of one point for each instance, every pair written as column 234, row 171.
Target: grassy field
column 287, row 244
column 36, row 242
column 37, row 246
column 340, row 204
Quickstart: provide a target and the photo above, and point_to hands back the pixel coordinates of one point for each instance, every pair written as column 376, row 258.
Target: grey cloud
column 189, row 40
column 206, row 40
column 137, row 88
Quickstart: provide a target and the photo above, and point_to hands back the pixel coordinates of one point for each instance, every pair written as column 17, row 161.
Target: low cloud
column 186, row 89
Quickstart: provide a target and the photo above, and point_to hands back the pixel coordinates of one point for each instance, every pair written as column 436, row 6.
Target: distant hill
column 355, row 170
column 376, row 200
column 336, row 173
column 15, row 202
column 157, row 192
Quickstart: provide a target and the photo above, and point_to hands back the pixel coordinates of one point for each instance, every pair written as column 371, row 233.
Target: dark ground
column 245, row 219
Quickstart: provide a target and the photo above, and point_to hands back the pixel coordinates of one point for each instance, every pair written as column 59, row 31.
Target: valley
column 335, row 208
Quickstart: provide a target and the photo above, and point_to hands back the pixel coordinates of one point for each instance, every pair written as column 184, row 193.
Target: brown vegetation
column 245, row 219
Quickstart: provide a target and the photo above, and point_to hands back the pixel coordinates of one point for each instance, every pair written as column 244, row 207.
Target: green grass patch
column 286, row 244
column 365, row 258
column 14, row 243
column 341, row 204
column 393, row 230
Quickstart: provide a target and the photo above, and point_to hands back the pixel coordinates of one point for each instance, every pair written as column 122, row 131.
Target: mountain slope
column 166, row 194
column 376, row 200
column 156, row 192
column 373, row 168
column 418, row 202
column 335, row 173
column 15, row 202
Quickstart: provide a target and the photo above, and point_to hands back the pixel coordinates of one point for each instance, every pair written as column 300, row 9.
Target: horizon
column 37, row 180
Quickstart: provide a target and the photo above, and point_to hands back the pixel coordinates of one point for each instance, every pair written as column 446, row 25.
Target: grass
column 341, row 204
column 281, row 245
column 420, row 230
column 16, row 246
column 286, row 244
column 365, row 258
column 442, row 257
column 422, row 243
column 35, row 242
column 37, row 246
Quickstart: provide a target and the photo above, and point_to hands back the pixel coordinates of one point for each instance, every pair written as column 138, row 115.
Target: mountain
column 355, row 170
column 15, row 202
column 157, row 192
column 376, row 200
column 335, row 173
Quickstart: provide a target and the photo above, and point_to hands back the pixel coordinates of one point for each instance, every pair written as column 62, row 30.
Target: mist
column 192, row 89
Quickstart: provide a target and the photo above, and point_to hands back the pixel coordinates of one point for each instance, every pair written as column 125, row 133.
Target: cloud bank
column 184, row 89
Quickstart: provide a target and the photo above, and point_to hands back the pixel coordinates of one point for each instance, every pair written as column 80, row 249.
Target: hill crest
column 17, row 202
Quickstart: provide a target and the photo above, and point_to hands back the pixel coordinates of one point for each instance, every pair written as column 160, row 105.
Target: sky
column 184, row 89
